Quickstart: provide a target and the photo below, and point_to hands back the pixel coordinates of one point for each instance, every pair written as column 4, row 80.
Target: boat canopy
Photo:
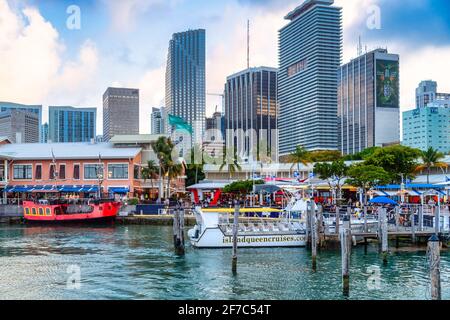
column 242, row 210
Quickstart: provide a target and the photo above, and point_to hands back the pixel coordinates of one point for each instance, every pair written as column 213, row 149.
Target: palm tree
column 299, row 156
column 431, row 159
column 163, row 148
column 150, row 172
column 231, row 161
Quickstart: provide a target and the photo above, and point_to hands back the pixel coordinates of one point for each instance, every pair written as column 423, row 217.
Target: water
column 137, row 262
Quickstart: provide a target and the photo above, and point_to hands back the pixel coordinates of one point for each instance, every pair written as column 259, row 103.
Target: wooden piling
column 337, row 220
column 365, row 220
column 421, row 218
column 309, row 209
column 434, row 257
column 437, row 219
column 345, row 256
column 178, row 231
column 384, row 236
column 235, row 238
column 413, row 226
column 314, row 237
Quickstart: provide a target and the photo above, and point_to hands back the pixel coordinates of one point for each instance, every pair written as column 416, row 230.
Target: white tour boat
column 214, row 229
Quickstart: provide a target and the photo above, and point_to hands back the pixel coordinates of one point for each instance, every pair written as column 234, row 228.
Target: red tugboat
column 89, row 210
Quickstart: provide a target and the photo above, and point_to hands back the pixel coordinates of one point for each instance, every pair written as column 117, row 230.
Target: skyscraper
column 44, row 133
column 427, row 93
column 310, row 50
column 158, row 121
column 68, row 124
column 368, row 102
column 120, row 112
column 251, row 107
column 185, row 80
column 20, row 126
column 36, row 109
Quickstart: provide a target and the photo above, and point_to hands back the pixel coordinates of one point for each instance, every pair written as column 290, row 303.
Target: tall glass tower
column 310, row 51
column 68, row 124
column 185, row 80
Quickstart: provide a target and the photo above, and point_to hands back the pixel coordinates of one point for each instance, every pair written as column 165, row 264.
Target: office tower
column 251, row 107
column 310, row 50
column 120, row 112
column 36, row 109
column 44, row 133
column 214, row 138
column 185, row 81
column 427, row 93
column 158, row 121
column 20, row 126
column 368, row 102
column 426, row 127
column 68, row 124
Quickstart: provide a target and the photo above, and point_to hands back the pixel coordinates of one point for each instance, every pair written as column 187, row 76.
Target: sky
column 125, row 42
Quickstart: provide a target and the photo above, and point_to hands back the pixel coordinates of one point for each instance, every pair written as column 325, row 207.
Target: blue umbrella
column 383, row 200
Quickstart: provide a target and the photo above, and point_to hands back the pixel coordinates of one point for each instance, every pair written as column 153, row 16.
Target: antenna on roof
column 248, row 44
column 360, row 50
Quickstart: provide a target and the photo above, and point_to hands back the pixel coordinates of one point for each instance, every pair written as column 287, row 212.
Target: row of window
column 117, row 171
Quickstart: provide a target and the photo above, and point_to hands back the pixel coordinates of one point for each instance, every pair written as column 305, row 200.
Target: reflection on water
column 137, row 262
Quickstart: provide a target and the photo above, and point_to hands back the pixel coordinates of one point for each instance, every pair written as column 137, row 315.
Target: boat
column 214, row 229
column 89, row 210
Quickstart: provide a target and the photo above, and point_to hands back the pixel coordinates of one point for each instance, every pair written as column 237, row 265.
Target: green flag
column 179, row 123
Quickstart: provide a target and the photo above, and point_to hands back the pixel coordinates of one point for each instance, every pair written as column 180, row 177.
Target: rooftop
column 305, row 6
column 135, row 139
column 66, row 151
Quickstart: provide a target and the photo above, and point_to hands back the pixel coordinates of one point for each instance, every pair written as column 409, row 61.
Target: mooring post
column 321, row 229
column 397, row 218
column 421, row 218
column 365, row 220
column 235, row 237
column 384, row 236
column 178, row 231
column 309, row 209
column 345, row 256
column 314, row 237
column 413, row 225
column 437, row 219
column 337, row 220
column 434, row 257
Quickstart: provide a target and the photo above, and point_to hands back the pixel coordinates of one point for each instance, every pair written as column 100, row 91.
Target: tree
column 325, row 156
column 431, row 159
column 363, row 155
column 241, row 187
column 399, row 161
column 335, row 173
column 230, row 161
column 299, row 156
column 150, row 172
column 194, row 170
column 367, row 177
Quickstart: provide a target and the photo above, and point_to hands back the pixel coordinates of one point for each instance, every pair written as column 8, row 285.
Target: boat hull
column 215, row 238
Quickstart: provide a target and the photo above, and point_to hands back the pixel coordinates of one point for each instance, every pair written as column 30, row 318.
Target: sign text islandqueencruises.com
column 264, row 239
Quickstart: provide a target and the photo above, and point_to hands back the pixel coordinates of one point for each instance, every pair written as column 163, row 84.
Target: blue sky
column 124, row 42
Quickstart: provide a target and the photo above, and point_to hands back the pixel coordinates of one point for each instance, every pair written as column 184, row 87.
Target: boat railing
column 171, row 211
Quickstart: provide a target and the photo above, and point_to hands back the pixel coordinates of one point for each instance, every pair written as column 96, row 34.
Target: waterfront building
column 158, row 121
column 368, row 102
column 68, row 124
column 251, row 112
column 20, row 126
column 44, row 133
column 310, row 50
column 36, row 109
column 427, row 93
column 427, row 127
column 185, row 82
column 120, row 112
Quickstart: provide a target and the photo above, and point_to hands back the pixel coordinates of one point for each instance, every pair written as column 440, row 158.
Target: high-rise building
column 68, row 124
column 214, row 138
column 427, row 127
column 37, row 109
column 44, row 133
column 185, row 81
column 368, row 102
column 120, row 112
column 158, row 121
column 310, row 50
column 251, row 108
column 427, row 93
column 20, row 126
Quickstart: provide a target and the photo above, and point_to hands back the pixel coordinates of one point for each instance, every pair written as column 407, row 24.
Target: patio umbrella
column 383, row 200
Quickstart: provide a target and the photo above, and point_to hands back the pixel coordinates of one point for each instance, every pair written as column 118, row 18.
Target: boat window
column 33, row 211
column 48, row 212
column 41, row 211
column 27, row 211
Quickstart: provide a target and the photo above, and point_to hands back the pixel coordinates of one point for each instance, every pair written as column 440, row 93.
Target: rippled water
column 137, row 262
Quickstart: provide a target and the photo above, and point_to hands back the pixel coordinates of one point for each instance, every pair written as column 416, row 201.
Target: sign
column 387, row 78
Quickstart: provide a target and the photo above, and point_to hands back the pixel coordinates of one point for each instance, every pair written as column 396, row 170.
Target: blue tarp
column 383, row 200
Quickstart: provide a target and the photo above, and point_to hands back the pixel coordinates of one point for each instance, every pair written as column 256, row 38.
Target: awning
column 267, row 188
column 73, row 189
column 119, row 190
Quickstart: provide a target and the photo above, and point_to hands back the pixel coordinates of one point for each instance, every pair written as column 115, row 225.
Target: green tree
column 299, row 156
column 230, row 161
column 367, row 177
column 431, row 158
column 399, row 161
column 150, row 172
column 335, row 173
column 241, row 187
column 363, row 155
column 325, row 156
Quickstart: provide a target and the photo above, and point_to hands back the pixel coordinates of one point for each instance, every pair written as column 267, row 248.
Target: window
column 118, row 171
column 297, row 67
column 93, row 171
column 23, row 172
column 33, row 211
column 62, row 171
column 76, row 172
column 38, row 172
column 41, row 211
column 52, row 173
column 48, row 212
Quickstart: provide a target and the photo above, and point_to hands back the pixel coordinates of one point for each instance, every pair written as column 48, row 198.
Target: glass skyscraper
column 36, row 109
column 251, row 104
column 185, row 80
column 68, row 124
column 368, row 102
column 310, row 50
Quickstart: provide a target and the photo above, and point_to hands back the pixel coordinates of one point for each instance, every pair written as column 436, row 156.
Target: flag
column 447, row 179
column 179, row 123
